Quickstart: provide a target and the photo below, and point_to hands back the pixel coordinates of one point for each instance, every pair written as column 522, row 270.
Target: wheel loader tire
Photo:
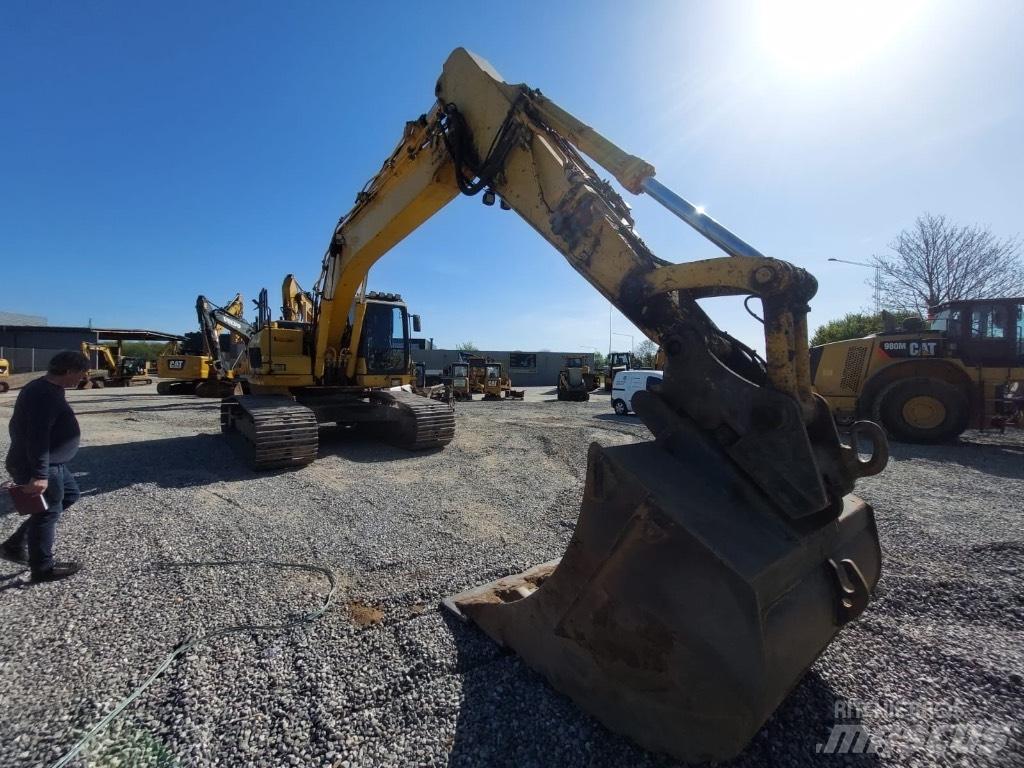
column 922, row 410
column 620, row 407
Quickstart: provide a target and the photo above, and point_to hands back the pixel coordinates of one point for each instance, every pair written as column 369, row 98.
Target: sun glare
column 820, row 38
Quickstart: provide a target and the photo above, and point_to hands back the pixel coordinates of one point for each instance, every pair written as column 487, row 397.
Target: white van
column 628, row 383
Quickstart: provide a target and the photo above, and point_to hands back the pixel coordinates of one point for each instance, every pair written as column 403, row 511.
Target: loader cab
column 492, row 374
column 384, row 341
column 986, row 332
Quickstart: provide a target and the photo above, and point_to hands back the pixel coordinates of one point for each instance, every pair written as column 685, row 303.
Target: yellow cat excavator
column 191, row 367
column 709, row 566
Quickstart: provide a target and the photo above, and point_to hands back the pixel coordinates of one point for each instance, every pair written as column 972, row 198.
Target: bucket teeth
column 685, row 607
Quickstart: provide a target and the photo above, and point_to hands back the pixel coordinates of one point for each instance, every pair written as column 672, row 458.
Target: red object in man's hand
column 27, row 499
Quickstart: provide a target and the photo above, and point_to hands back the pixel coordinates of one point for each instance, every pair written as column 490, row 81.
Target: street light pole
column 628, row 336
column 878, row 279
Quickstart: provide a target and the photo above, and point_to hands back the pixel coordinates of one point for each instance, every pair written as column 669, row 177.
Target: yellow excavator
column 5, row 374
column 115, row 369
column 709, row 566
column 191, row 367
column 296, row 304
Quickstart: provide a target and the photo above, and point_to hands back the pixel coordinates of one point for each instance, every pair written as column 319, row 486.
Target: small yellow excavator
column 709, row 566
column 115, row 370
column 191, row 367
column 5, row 374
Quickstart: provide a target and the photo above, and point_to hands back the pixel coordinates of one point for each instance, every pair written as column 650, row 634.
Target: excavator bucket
column 687, row 604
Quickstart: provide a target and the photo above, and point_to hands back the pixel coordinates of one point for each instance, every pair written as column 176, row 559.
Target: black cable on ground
column 189, row 643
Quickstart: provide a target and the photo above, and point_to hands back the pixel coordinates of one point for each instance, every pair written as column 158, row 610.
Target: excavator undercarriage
column 282, row 430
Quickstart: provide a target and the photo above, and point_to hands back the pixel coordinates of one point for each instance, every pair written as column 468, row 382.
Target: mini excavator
column 709, row 566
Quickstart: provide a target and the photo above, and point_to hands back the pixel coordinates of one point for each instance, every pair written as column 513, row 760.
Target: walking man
column 44, row 438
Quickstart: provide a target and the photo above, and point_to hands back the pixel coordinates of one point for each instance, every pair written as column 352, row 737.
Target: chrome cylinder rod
column 699, row 220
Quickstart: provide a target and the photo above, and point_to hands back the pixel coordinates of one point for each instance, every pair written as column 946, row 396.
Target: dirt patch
column 365, row 615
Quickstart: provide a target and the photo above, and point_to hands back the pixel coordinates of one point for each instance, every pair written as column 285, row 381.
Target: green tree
column 146, row 350
column 467, row 346
column 645, row 353
column 854, row 326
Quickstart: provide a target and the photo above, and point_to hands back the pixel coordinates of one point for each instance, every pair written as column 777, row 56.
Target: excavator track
column 275, row 431
column 423, row 423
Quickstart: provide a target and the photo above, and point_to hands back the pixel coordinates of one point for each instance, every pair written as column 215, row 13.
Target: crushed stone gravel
column 385, row 678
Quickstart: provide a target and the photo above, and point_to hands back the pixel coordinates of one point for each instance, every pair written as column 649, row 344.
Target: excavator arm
column 709, row 567
column 296, row 304
column 511, row 142
column 211, row 319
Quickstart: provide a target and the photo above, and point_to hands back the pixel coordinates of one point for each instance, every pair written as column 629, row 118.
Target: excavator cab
column 384, row 345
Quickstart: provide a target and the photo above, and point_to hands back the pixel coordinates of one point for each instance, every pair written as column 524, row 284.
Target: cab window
column 988, row 323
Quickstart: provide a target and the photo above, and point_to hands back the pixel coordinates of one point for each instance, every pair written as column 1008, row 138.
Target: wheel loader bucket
column 687, row 605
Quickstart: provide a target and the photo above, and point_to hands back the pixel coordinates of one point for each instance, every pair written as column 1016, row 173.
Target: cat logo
column 916, row 348
column 176, row 365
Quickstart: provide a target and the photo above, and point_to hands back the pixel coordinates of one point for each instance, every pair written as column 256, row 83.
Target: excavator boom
column 709, row 566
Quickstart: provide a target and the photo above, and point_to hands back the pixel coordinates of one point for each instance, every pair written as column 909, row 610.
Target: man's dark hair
column 67, row 361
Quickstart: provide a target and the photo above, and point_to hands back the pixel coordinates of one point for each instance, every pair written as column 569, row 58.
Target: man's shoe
column 56, row 573
column 15, row 554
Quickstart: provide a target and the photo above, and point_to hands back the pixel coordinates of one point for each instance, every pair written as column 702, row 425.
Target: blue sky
column 153, row 151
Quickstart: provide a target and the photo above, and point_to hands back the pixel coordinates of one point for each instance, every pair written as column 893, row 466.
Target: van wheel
column 922, row 410
column 620, row 407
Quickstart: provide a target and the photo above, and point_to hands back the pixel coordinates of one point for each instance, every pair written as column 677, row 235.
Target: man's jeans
column 37, row 531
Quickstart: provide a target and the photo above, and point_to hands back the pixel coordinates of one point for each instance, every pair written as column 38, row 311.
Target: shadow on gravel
column 173, row 462
column 509, row 716
column 629, row 419
column 1001, row 459
column 361, row 445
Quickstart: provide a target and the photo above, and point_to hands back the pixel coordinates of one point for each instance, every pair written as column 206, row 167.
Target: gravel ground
column 384, row 678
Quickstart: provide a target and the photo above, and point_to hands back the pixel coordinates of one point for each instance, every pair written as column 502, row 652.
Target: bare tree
column 937, row 261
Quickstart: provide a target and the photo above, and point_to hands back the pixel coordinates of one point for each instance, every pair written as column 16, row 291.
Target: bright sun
column 819, row 38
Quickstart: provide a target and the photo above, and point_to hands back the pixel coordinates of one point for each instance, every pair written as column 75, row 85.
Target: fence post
column 33, row 359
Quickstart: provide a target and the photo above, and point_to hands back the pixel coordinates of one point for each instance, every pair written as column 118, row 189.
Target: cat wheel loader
column 5, row 374
column 710, row 566
column 928, row 385
column 115, row 369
